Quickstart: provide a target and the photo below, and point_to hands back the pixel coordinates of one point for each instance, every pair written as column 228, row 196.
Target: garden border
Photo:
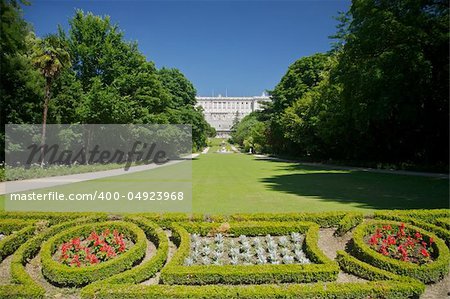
column 428, row 273
column 63, row 275
column 175, row 272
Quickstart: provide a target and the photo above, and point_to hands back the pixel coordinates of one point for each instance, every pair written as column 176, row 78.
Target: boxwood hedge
column 333, row 290
column 176, row 273
column 426, row 273
column 64, row 275
column 23, row 285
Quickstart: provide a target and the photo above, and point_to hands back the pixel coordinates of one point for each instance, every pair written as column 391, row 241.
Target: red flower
column 431, row 241
column 424, row 252
column 391, row 240
column 418, row 236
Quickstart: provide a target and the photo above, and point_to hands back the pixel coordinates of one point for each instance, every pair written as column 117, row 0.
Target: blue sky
column 244, row 47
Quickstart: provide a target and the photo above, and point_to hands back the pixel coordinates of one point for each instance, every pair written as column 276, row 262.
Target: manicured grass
column 233, row 183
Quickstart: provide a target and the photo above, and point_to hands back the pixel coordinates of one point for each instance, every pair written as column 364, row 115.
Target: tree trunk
column 44, row 119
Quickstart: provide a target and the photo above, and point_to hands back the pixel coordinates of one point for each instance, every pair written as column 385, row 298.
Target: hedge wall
column 373, row 289
column 427, row 273
column 64, row 275
column 176, row 273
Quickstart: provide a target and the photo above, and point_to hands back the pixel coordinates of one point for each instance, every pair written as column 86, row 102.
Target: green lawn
column 231, row 183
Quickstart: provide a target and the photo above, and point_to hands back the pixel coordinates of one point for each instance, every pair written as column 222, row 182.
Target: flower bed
column 94, row 249
column 227, row 250
column 402, row 244
column 64, row 275
column 177, row 272
column 433, row 270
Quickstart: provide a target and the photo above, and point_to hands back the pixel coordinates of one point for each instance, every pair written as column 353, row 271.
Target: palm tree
column 50, row 57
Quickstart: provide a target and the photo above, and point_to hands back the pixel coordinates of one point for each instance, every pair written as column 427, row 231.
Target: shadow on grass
column 367, row 190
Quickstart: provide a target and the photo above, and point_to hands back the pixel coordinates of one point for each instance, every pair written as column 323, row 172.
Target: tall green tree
column 50, row 58
column 394, row 73
column 21, row 85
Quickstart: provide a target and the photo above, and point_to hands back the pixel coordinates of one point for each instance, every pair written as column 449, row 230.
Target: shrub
column 176, row 273
column 142, row 272
column 371, row 289
column 349, row 221
column 425, row 224
column 68, row 276
column 24, row 286
column 427, row 273
column 11, row 242
column 443, row 222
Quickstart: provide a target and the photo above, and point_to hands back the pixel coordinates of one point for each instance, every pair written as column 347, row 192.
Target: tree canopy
column 107, row 79
column 379, row 96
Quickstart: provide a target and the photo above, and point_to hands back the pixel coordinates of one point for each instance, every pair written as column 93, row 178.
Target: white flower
column 206, row 260
column 296, row 237
column 301, row 257
column 287, row 259
column 206, row 250
column 247, row 256
column 262, row 259
column 234, row 251
column 188, row 261
column 217, row 255
column 242, row 238
column 283, row 240
column 234, row 260
column 273, row 256
column 220, row 246
column 260, row 251
column 246, row 246
column 218, row 238
column 257, row 241
column 284, row 251
column 298, row 247
column 272, row 245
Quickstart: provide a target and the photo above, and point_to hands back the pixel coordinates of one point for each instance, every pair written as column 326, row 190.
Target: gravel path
column 329, row 245
column 5, row 270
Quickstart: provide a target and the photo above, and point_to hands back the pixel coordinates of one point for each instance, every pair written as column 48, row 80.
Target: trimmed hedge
column 324, row 219
column 425, row 224
column 372, row 289
column 176, row 273
column 52, row 217
column 8, row 226
column 424, row 215
column 349, row 221
column 23, row 285
column 64, row 275
column 426, row 273
column 11, row 242
column 443, row 222
column 142, row 272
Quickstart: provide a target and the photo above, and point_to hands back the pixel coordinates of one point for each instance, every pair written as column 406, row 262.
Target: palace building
column 222, row 112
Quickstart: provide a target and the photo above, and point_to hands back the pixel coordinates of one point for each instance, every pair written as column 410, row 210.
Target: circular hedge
column 427, row 273
column 63, row 275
